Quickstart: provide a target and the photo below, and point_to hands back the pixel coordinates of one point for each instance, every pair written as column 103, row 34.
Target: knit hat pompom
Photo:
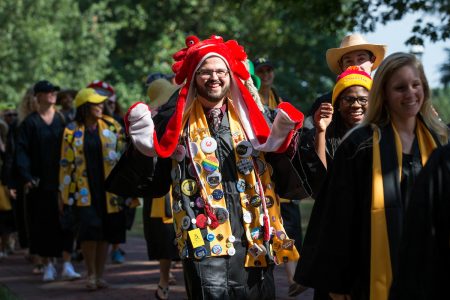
column 352, row 76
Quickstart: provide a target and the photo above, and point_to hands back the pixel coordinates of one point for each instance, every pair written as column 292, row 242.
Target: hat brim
column 263, row 65
column 334, row 55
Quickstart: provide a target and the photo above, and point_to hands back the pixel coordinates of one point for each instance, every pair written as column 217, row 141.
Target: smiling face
column 266, row 74
column 361, row 58
column 404, row 93
column 351, row 111
column 212, row 81
column 46, row 98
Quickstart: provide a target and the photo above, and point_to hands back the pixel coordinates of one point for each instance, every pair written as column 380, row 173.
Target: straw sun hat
column 351, row 43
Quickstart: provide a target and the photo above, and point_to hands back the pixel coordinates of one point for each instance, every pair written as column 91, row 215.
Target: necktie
column 214, row 118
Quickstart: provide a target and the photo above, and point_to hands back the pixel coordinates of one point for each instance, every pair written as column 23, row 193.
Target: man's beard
column 211, row 96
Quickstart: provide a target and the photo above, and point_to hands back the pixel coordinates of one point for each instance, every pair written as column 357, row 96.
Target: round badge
column 199, row 202
column 175, row 173
column 240, row 185
column 229, row 245
column 78, row 142
column 84, row 192
column 71, row 126
column 201, row 220
column 217, row 194
column 70, row 155
column 219, row 237
column 244, row 149
column 281, row 235
column 70, row 202
column 231, row 251
column 255, row 233
column 255, row 201
column 189, row 187
column 176, row 206
column 200, row 252
column 84, row 200
column 216, row 249
column 261, row 166
column 210, row 237
column 191, row 169
column 214, row 179
column 269, row 201
column 180, row 153
column 245, row 166
column 222, row 214
column 193, row 150
column 247, row 216
column 106, row 132
column 112, row 155
column 208, row 145
column 78, row 161
column 78, row 134
column 64, row 162
column 231, row 239
column 185, row 222
column 210, row 164
column 67, row 179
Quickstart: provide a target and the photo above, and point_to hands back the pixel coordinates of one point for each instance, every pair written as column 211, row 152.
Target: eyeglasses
column 349, row 100
column 206, row 74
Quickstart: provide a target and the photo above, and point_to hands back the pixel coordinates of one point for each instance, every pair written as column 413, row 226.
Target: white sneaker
column 69, row 273
column 49, row 273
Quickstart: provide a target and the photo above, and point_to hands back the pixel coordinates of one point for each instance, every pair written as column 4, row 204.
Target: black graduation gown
column 37, row 157
column 424, row 260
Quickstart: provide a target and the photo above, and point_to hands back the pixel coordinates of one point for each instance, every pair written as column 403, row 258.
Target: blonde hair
column 27, row 105
column 377, row 111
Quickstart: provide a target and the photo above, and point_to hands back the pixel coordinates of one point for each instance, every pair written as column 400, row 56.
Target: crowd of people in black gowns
column 372, row 154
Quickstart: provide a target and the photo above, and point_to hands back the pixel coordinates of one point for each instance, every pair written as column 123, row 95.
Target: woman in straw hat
column 351, row 246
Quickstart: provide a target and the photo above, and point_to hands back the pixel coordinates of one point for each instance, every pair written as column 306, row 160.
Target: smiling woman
column 347, row 250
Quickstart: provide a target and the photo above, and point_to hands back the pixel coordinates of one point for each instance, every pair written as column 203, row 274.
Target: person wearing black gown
column 91, row 146
column 37, row 160
column 424, row 260
column 351, row 245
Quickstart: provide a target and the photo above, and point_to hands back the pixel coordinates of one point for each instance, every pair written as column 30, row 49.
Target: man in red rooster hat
column 226, row 168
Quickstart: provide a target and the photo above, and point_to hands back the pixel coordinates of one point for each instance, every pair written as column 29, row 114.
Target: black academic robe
column 424, row 263
column 336, row 252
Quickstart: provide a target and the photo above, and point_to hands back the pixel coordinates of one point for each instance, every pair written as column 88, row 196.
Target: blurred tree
column 445, row 70
column 441, row 102
column 52, row 39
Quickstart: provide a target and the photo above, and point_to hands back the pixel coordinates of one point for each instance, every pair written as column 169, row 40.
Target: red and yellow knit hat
column 352, row 76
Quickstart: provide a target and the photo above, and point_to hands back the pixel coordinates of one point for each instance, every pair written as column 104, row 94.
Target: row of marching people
column 54, row 157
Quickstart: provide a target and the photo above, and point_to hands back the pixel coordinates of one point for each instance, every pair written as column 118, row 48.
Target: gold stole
column 380, row 260
column 272, row 101
column 72, row 176
column 198, row 130
column 159, row 208
column 5, row 203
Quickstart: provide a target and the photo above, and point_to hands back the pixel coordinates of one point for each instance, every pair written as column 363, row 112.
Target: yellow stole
column 158, row 208
column 5, row 203
column 272, row 101
column 380, row 259
column 284, row 250
column 73, row 179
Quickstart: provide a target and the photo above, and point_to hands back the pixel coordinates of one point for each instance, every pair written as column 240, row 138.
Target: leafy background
column 74, row 42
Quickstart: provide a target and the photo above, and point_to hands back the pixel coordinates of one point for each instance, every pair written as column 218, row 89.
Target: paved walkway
column 135, row 279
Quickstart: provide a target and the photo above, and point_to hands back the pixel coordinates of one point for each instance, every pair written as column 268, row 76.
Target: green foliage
column 52, row 39
column 441, row 101
column 72, row 42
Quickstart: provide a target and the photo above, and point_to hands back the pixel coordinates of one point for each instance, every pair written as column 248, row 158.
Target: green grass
column 138, row 226
column 5, row 294
column 305, row 210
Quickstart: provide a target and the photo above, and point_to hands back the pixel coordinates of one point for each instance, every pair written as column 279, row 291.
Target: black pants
column 226, row 278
